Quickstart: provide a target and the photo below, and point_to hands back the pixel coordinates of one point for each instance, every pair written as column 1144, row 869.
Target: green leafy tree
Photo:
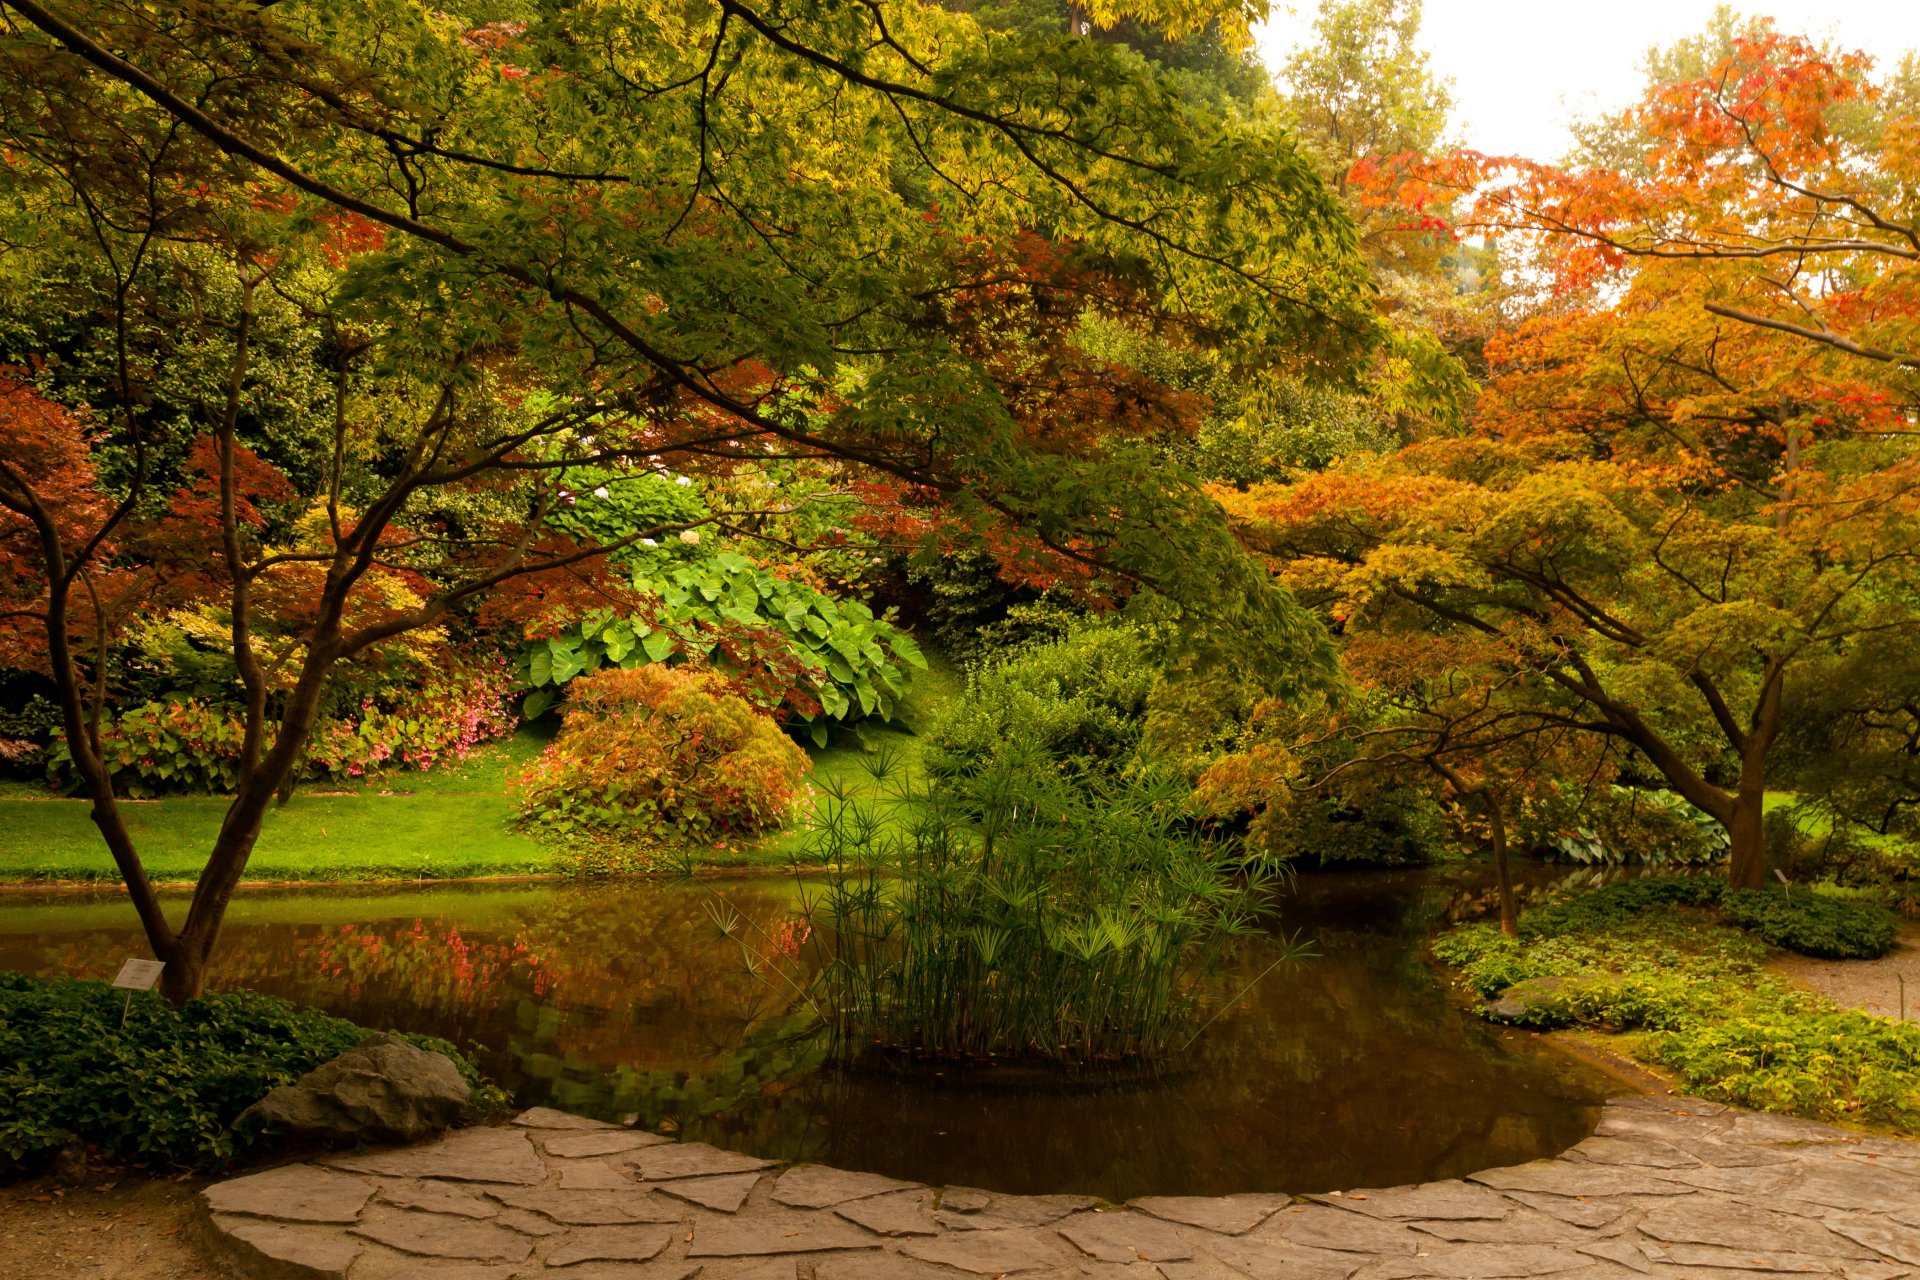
column 632, row 234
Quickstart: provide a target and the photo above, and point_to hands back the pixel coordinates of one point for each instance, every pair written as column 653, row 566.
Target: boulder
column 381, row 1090
column 1545, row 1002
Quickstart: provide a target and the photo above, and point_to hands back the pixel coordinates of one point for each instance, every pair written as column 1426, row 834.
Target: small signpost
column 136, row 975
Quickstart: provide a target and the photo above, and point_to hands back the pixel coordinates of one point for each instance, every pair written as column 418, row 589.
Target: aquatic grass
column 1020, row 914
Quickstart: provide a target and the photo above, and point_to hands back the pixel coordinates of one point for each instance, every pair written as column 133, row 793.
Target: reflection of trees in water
column 624, row 999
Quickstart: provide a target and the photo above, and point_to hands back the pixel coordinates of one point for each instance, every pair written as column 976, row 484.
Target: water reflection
column 617, row 999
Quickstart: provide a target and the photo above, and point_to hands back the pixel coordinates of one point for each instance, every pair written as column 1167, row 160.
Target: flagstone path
column 1665, row 1188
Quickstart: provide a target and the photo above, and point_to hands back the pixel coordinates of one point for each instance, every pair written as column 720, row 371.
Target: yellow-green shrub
column 661, row 751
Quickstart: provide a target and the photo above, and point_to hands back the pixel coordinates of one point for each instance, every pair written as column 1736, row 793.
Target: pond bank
column 1664, row 1188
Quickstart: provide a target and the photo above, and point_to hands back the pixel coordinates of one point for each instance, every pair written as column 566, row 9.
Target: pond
column 1351, row 1068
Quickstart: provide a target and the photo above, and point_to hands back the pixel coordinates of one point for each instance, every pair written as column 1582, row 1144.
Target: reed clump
column 1011, row 912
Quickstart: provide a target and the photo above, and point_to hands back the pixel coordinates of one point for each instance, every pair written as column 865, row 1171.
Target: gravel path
column 1665, row 1188
column 1872, row 985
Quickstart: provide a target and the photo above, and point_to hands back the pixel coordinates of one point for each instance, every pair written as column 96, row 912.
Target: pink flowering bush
column 191, row 746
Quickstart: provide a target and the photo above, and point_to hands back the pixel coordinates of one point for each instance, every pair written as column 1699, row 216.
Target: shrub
column 663, row 751
column 194, row 747
column 840, row 662
column 1620, row 904
column 1080, row 700
column 164, row 1089
column 1813, row 923
column 1695, row 995
column 1618, row 824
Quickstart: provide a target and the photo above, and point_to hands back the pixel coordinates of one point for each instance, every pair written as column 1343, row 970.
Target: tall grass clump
column 1008, row 912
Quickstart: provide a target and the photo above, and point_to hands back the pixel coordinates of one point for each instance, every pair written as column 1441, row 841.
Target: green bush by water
column 164, row 1089
column 1690, row 992
column 1023, row 914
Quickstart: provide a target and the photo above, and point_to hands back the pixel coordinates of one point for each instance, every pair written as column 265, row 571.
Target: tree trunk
column 1502, row 869
column 184, row 978
column 1746, row 836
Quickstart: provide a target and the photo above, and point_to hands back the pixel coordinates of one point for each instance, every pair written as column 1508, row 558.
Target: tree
column 620, row 236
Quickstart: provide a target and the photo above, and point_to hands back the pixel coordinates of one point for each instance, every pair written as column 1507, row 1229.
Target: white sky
column 1521, row 69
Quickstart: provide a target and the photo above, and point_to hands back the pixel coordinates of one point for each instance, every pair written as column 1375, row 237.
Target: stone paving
column 1665, row 1187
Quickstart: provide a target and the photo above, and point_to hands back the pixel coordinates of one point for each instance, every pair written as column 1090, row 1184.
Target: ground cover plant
column 1687, row 990
column 164, row 1088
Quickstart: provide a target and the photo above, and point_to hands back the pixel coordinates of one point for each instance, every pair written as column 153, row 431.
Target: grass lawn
column 455, row 822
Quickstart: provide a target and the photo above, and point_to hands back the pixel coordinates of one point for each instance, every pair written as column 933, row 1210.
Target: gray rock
column 1122, row 1235
column 776, row 1233
column 469, row 1155
column 601, row 1142
column 1224, row 1215
column 1620, row 1252
column 610, row 1244
column 1522, row 1226
column 904, row 1213
column 437, row 1235
column 815, row 1186
column 965, row 1199
column 988, row 1253
column 295, row 1193
column 724, row 1194
column 1545, row 1002
column 381, row 1090
column 1861, row 1188
column 1581, row 1212
column 588, row 1208
column 273, row 1251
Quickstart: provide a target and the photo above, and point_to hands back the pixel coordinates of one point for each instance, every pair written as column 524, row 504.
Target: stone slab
column 904, row 1213
column 815, row 1186
column 871, row 1266
column 1430, row 1200
column 548, row 1118
column 293, row 1193
column 690, row 1160
column 503, row 1155
column 1002, row 1213
column 610, row 1244
column 437, row 1197
column 1122, row 1235
column 724, row 1194
column 588, row 1208
column 989, row 1253
column 1484, row 1262
column 1737, row 1226
column 1568, row 1178
column 601, row 1142
column 439, row 1235
column 589, row 1175
column 1224, row 1215
column 273, row 1249
column 771, row 1234
column 1321, row 1227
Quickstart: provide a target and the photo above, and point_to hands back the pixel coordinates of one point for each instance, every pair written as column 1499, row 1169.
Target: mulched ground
column 115, row 1227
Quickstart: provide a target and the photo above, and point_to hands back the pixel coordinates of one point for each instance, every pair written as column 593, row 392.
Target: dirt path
column 139, row 1228
column 1872, row 985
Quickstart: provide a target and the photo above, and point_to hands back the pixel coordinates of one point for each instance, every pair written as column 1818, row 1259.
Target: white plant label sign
column 139, row 975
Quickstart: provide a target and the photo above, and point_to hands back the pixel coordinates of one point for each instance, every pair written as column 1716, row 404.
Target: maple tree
column 627, row 236
column 1687, row 500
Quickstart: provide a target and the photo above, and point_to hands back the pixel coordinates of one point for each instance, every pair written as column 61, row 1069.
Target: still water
column 1353, row 1068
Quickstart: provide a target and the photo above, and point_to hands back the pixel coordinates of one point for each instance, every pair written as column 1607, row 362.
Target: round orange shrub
column 666, row 751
